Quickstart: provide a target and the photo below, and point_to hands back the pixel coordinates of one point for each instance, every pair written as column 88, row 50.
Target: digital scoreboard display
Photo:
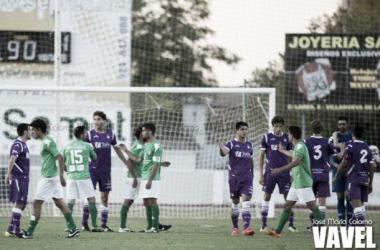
column 32, row 47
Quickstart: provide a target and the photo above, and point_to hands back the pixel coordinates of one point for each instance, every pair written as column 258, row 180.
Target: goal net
column 190, row 123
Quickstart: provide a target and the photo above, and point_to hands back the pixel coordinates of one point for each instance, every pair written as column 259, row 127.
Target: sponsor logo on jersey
column 272, row 139
column 102, row 145
column 273, row 147
column 96, row 136
column 242, row 154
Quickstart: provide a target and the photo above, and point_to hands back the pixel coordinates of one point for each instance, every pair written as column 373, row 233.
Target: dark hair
column 278, row 119
column 149, row 126
column 241, row 124
column 295, row 132
column 79, row 130
column 316, row 126
column 21, row 128
column 138, row 132
column 39, row 124
column 358, row 132
column 342, row 118
column 100, row 114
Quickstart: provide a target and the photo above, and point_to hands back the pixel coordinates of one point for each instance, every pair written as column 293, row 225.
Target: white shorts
column 80, row 189
column 48, row 188
column 153, row 192
column 301, row 194
column 130, row 192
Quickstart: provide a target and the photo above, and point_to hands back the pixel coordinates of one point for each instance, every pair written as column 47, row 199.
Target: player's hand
column 63, row 181
column 122, row 147
column 262, row 180
column 280, row 148
column 276, row 171
column 165, row 164
column 6, row 178
column 221, row 144
column 148, row 184
column 370, row 189
column 134, row 184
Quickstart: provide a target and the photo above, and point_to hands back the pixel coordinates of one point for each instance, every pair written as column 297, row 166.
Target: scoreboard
column 32, row 47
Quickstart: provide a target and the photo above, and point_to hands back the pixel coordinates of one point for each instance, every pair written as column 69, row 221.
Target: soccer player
column 376, row 156
column 151, row 176
column 100, row 170
column 240, row 173
column 301, row 189
column 340, row 138
column 319, row 150
column 76, row 156
column 50, row 185
column 136, row 155
column 359, row 165
column 18, row 177
column 274, row 159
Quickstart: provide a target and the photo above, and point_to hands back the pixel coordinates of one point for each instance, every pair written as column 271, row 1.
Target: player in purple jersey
column 320, row 151
column 18, row 178
column 100, row 170
column 240, row 172
column 359, row 165
column 274, row 159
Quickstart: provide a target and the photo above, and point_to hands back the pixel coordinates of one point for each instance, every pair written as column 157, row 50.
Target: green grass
column 185, row 234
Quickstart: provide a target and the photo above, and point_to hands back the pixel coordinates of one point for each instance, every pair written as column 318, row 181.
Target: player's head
column 358, row 133
column 99, row 119
column 39, row 128
column 80, row 132
column 375, row 153
column 138, row 132
column 295, row 132
column 241, row 129
column 277, row 123
column 148, row 130
column 23, row 130
column 316, row 127
column 342, row 124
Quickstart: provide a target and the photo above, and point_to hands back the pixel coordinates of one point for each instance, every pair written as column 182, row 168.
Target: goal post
column 189, row 121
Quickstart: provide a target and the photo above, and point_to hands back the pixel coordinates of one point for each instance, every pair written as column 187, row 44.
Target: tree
column 168, row 44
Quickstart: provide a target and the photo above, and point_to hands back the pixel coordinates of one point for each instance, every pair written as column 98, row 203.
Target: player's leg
column 339, row 189
column 94, row 214
column 284, row 216
column 105, row 188
column 358, row 194
column 246, row 195
column 148, row 211
column 235, row 200
column 349, row 208
column 60, row 204
column 85, row 190
column 155, row 213
column 130, row 195
column 127, row 203
column 72, row 195
column 19, row 196
column 85, row 209
column 70, row 204
column 283, row 183
column 270, row 184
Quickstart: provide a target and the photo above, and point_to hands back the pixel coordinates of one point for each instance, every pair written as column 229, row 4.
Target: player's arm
column 335, row 139
column 10, row 167
column 372, row 167
column 289, row 166
column 125, row 161
column 61, row 165
column 131, row 156
column 341, row 169
column 252, row 167
column 261, row 167
column 223, row 150
column 284, row 151
column 151, row 176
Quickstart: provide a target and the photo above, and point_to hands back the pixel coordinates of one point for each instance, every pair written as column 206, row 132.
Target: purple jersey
column 22, row 163
column 102, row 143
column 240, row 154
column 319, row 152
column 359, row 156
column 274, row 158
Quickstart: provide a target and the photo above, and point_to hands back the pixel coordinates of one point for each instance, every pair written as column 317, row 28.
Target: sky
column 255, row 31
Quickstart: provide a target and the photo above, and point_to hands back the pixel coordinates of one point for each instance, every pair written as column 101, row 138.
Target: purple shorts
column 18, row 190
column 321, row 189
column 240, row 186
column 358, row 191
column 104, row 180
column 283, row 182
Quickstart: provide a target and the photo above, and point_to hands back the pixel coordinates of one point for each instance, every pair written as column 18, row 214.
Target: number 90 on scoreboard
column 32, row 47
